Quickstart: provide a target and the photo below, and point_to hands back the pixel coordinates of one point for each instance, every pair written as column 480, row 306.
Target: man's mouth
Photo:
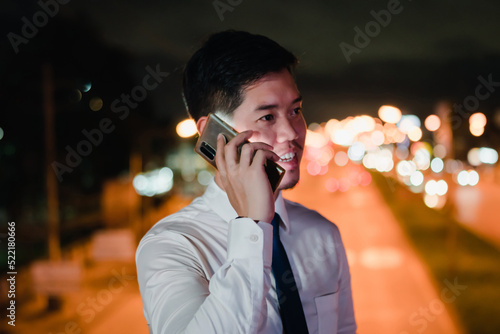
column 287, row 157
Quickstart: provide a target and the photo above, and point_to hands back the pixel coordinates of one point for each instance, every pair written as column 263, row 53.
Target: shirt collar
column 217, row 200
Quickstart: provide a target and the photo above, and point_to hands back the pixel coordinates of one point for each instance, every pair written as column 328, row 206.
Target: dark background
column 429, row 51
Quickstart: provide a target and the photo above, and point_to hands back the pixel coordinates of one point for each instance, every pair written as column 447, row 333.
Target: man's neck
column 219, row 183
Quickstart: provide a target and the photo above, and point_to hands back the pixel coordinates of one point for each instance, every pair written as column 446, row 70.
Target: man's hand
column 243, row 176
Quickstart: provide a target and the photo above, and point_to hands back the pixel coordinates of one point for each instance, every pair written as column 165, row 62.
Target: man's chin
column 288, row 183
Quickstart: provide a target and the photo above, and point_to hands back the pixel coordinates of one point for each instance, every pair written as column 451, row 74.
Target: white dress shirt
column 201, row 270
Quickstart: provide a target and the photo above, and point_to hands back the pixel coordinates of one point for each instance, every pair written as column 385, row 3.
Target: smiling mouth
column 287, row 157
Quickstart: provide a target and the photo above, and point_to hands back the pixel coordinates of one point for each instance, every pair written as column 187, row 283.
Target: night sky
column 420, row 51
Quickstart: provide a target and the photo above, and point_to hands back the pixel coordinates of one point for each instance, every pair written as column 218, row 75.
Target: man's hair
column 229, row 61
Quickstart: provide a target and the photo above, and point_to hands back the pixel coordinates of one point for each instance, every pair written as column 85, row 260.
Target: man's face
column 272, row 108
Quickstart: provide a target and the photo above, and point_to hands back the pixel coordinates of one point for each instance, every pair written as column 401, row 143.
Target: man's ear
column 200, row 124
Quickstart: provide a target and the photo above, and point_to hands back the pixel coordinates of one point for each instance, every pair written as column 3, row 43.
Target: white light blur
column 406, row 168
column 186, row 128
column 416, row 178
column 369, row 160
column 1, row 133
column 432, row 123
column 414, row 133
column 357, row 151
column 488, row 155
column 389, row 114
column 422, row 159
column 343, row 137
column 470, row 177
column 364, row 123
column 154, row 183
column 315, row 139
column 473, row 157
column 331, row 126
column 463, row 178
column 437, row 165
column 441, row 187
column 434, row 201
column 431, row 187
column 431, row 200
column 407, row 122
column 140, row 183
column 377, row 137
column 476, row 131
column 473, row 178
column 384, row 162
column 477, row 120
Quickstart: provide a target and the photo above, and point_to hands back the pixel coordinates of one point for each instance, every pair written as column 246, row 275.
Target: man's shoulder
column 308, row 216
column 186, row 222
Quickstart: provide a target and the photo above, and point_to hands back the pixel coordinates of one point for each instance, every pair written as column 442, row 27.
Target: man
column 219, row 265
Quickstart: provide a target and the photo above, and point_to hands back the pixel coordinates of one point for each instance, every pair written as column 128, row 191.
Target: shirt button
column 254, row 238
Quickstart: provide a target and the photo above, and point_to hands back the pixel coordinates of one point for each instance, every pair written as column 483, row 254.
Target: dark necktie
column 292, row 314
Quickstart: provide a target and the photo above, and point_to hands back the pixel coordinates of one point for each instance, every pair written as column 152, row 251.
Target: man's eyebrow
column 273, row 106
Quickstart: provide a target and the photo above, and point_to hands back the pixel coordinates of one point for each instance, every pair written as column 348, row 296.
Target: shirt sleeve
column 347, row 322
column 179, row 298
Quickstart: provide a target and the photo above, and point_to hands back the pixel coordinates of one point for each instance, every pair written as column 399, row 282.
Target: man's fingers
column 262, row 155
column 248, row 151
column 231, row 154
column 219, row 156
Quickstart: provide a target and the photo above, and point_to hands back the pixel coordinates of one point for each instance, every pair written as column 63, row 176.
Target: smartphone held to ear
column 207, row 147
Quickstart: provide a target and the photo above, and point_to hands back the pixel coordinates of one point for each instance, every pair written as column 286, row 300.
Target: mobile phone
column 207, row 147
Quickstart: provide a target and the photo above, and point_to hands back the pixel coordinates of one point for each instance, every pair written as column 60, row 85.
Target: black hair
column 228, row 62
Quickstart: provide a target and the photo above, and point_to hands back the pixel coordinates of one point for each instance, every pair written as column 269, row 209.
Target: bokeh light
column 357, row 151
column 341, row 158
column 488, row 155
column 415, row 134
column 186, row 128
column 416, row 178
column 477, row 120
column 95, row 104
column 389, row 114
column 437, row 165
column 153, row 183
column 465, row 178
column 408, row 122
column 439, row 151
column 473, row 157
column 476, row 131
column 432, row 122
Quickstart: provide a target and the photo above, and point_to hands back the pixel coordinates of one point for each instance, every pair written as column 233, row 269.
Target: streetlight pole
column 52, row 189
column 54, row 303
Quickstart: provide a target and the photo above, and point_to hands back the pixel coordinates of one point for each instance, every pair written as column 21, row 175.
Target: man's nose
column 286, row 131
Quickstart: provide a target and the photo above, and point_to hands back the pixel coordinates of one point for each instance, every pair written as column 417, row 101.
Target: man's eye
column 297, row 110
column 267, row 117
